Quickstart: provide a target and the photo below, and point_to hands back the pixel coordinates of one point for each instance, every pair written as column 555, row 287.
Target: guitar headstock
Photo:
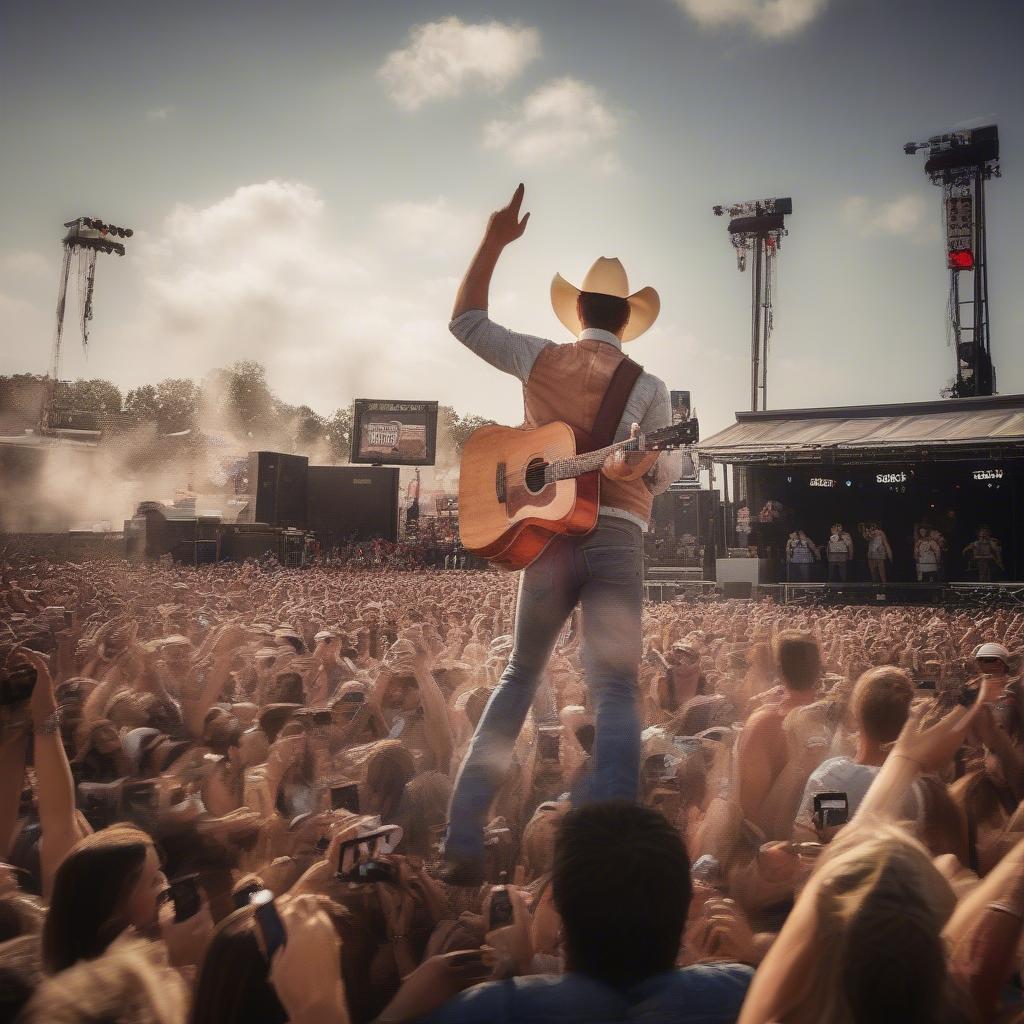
column 676, row 436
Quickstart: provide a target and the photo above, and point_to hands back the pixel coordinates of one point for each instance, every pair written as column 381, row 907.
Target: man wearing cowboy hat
column 602, row 571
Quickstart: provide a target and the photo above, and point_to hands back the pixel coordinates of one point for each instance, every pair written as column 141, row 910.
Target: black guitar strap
column 613, row 405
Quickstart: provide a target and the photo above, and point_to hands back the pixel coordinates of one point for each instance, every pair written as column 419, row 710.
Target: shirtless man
column 762, row 746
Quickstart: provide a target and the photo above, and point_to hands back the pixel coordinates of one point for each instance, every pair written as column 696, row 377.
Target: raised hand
column 505, row 226
column 306, row 971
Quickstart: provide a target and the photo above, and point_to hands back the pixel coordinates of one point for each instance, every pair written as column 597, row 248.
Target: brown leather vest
column 568, row 383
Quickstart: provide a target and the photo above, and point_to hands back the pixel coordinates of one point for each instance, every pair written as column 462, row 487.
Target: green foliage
column 98, row 396
column 242, row 401
column 338, row 431
column 453, row 431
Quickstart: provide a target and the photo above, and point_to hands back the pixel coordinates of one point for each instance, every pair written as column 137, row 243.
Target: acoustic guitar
column 521, row 488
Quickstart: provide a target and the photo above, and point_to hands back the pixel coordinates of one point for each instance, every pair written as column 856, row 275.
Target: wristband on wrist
column 912, row 760
column 49, row 725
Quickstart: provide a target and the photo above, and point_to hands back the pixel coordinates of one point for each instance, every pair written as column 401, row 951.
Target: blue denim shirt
column 707, row 994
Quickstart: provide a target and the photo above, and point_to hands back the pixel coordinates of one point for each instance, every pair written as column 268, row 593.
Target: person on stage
column 879, row 552
column 801, row 553
column 985, row 551
column 602, row 571
column 840, row 551
column 927, row 556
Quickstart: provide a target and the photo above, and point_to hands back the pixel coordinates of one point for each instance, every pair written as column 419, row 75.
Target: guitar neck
column 589, row 462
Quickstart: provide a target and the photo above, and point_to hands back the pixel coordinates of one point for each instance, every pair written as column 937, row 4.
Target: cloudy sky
column 307, row 181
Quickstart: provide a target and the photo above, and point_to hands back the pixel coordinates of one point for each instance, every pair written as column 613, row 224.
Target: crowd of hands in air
column 242, row 729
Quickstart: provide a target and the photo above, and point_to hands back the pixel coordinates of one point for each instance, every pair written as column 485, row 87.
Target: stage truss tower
column 84, row 240
column 756, row 230
column 960, row 162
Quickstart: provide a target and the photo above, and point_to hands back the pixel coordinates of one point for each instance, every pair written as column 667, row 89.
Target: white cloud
column 159, row 113
column 262, row 274
column 904, row 216
column 771, row 19
column 445, row 57
column 563, row 118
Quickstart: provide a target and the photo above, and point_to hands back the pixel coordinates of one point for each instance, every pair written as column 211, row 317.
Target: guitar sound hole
column 535, row 476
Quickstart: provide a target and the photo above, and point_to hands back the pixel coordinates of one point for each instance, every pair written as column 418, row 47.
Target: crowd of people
column 222, row 791
column 431, row 547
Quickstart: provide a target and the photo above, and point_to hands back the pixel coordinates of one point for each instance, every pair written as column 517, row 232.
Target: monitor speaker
column 278, row 485
column 353, row 503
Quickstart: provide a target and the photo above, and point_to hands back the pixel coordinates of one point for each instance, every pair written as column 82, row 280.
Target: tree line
column 237, row 399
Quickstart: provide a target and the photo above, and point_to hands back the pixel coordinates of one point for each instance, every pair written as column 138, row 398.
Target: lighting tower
column 757, row 228
column 86, row 237
column 961, row 162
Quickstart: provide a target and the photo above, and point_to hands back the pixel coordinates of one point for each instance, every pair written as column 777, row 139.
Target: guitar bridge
column 499, row 483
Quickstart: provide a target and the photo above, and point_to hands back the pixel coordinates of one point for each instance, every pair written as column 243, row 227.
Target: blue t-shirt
column 706, row 994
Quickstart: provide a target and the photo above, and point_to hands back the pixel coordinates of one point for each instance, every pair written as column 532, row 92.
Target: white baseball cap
column 993, row 650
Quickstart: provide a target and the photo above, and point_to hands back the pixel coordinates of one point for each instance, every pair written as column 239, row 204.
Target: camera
column 17, row 684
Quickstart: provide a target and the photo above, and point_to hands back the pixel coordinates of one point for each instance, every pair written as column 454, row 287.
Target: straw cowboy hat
column 607, row 277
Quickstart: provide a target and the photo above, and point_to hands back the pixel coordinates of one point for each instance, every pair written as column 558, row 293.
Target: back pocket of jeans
column 613, row 564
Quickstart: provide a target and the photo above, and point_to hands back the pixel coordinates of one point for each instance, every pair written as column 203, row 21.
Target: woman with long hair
column 109, row 882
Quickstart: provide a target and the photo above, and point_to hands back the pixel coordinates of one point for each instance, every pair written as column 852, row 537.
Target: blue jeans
column 837, row 572
column 603, row 571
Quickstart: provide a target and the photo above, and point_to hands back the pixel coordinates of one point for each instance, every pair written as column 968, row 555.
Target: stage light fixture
column 128, row 232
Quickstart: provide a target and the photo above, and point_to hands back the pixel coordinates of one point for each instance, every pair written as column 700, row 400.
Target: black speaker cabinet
column 278, row 485
column 353, row 503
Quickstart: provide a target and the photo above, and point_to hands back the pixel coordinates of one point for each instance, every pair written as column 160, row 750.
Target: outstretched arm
column 503, row 227
column 55, row 788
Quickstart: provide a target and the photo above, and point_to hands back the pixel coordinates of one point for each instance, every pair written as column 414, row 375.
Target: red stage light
column 961, row 259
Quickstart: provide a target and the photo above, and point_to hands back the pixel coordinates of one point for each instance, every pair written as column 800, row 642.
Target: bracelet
column 1004, row 908
column 912, row 760
column 49, row 725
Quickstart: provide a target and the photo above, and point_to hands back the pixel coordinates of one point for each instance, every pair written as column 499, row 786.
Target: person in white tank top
column 879, row 552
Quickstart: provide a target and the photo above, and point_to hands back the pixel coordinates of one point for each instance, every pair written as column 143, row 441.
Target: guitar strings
column 546, row 453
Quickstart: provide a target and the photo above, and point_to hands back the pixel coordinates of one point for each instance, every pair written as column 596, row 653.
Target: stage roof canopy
column 956, row 428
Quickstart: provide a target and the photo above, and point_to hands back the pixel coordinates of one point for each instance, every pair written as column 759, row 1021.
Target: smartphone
column 547, row 744
column 186, row 897
column 373, row 871
column 269, row 922
column 345, row 797
column 501, row 908
column 926, row 684
column 687, row 745
column 69, row 618
column 831, row 809
column 243, row 897
column 17, row 684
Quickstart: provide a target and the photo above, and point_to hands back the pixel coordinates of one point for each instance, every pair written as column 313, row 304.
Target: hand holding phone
column 501, row 912
column 269, row 922
column 831, row 810
column 186, row 896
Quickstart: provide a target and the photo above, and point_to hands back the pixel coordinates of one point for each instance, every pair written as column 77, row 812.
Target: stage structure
column 961, row 162
column 84, row 240
column 952, row 466
column 756, row 229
